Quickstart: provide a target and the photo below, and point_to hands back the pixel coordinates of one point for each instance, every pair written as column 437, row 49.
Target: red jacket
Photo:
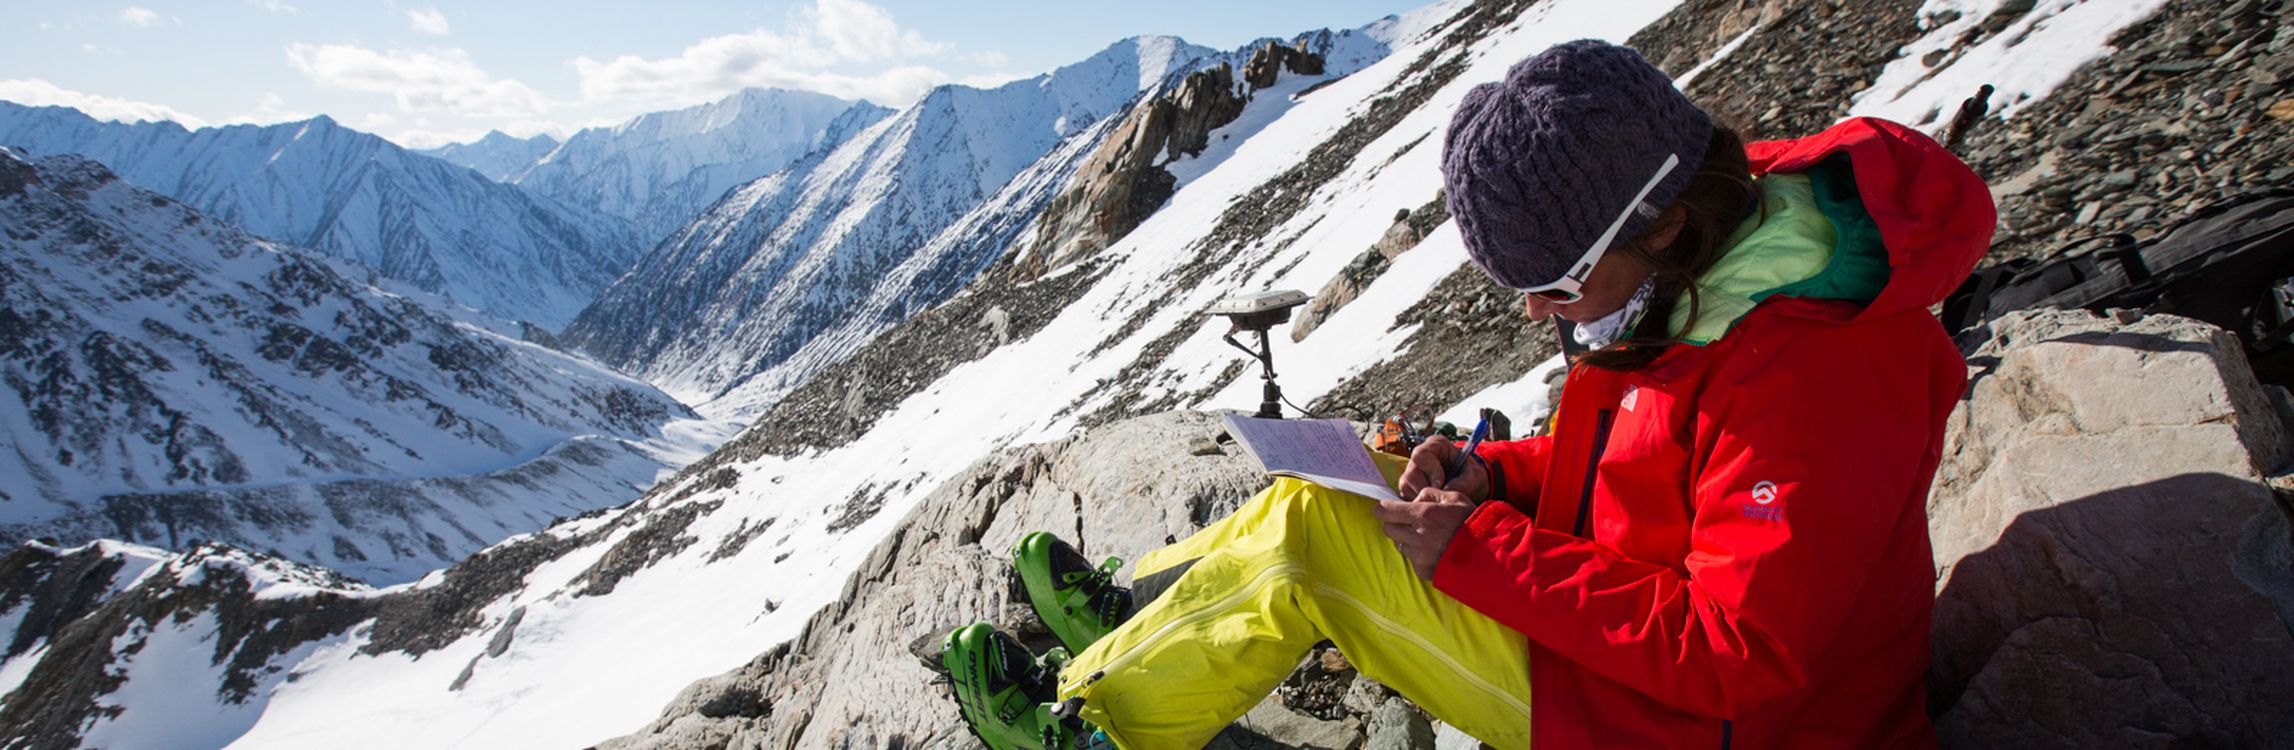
column 1748, row 562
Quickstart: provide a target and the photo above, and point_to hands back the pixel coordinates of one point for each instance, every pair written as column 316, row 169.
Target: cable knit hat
column 1539, row 165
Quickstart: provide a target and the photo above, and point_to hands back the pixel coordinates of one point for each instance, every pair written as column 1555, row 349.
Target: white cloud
column 420, row 140
column 819, row 42
column 375, row 122
column 272, row 110
column 274, row 6
column 531, row 128
column 40, row 93
column 428, row 21
column 144, row 18
column 430, row 81
column 861, row 32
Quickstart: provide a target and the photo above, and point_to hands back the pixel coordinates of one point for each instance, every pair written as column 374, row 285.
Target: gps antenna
column 1259, row 313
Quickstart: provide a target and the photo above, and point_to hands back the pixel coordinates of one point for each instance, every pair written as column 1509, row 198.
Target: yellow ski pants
column 1296, row 564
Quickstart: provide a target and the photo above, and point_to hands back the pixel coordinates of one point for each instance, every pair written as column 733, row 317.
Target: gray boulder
column 2100, row 509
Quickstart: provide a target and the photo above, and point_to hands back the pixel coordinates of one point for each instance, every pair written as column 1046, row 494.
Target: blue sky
column 423, row 72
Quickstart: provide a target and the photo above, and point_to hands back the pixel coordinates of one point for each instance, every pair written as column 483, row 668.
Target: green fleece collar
column 1812, row 239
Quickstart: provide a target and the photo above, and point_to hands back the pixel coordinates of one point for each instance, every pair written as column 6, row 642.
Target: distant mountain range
column 499, row 156
column 780, row 260
column 318, row 185
column 167, row 378
column 660, row 171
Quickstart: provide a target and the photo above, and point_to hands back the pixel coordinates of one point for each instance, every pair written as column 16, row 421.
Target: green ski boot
column 1006, row 695
column 1077, row 602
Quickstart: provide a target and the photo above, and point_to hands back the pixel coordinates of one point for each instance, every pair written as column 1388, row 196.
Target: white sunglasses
column 1566, row 289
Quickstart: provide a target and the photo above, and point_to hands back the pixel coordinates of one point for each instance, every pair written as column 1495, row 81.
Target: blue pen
column 1466, row 454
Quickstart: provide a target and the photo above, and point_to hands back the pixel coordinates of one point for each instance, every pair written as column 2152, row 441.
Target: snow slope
column 658, row 171
column 499, row 156
column 169, row 378
column 318, row 185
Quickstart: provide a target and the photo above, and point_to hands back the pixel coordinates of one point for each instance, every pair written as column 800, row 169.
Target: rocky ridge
column 1124, row 180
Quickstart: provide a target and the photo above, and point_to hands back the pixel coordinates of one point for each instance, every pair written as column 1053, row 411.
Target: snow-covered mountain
column 800, row 267
column 499, row 156
column 658, row 171
column 322, row 186
column 167, row 378
column 582, row 632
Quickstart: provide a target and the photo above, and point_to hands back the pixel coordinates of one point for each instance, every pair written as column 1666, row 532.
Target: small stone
column 2121, row 178
column 2087, row 215
column 1396, row 726
column 2283, row 111
column 1364, row 695
column 1334, row 661
column 2139, row 215
column 1206, row 447
column 1931, row 59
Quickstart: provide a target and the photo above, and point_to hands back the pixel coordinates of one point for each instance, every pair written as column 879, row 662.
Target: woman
column 1724, row 540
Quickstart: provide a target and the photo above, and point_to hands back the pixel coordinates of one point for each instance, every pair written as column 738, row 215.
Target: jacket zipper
column 1601, row 424
column 1727, row 733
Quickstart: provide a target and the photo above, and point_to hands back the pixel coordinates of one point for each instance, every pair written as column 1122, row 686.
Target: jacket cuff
column 1496, row 475
column 1485, row 548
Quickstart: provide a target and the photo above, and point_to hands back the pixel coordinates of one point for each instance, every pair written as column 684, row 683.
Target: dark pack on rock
column 2230, row 264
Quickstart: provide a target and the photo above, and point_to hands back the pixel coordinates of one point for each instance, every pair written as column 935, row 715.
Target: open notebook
column 1322, row 451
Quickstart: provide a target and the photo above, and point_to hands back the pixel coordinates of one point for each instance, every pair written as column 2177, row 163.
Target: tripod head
column 1259, row 313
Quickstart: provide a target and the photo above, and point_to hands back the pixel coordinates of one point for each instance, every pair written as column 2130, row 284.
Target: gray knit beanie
column 1537, row 166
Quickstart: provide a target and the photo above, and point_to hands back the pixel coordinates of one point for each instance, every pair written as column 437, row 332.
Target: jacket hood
column 1934, row 215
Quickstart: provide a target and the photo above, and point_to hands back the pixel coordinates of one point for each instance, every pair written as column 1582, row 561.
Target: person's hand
column 1422, row 529
column 1429, row 469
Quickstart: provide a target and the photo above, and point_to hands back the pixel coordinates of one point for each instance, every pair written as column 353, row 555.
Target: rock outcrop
column 2102, row 526
column 1124, row 180
column 1409, row 228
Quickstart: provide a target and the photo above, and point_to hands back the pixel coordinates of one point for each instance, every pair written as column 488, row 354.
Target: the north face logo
column 1764, row 505
column 1764, row 493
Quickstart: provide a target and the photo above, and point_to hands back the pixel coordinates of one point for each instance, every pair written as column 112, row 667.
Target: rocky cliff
column 1124, row 180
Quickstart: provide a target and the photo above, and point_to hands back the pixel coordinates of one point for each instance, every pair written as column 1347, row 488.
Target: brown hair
column 1713, row 205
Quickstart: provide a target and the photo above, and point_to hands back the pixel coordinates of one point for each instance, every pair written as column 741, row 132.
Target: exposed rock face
column 74, row 607
column 1409, row 227
column 1272, row 59
column 1124, row 180
column 2100, row 500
